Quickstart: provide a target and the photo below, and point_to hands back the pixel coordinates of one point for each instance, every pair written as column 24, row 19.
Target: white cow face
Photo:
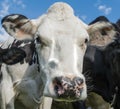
column 62, row 41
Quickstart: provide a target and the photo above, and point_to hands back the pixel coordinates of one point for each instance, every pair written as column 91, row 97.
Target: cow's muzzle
column 67, row 88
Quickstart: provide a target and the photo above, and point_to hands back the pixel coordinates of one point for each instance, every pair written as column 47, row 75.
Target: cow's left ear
column 101, row 29
column 19, row 26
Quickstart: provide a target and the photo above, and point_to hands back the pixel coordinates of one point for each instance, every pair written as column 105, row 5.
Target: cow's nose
column 67, row 87
column 53, row 64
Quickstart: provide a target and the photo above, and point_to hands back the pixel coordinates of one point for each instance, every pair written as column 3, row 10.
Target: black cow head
column 11, row 55
column 100, row 18
column 113, row 57
column 118, row 23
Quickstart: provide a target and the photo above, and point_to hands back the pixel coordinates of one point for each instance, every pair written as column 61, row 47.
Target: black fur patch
column 29, row 48
column 11, row 55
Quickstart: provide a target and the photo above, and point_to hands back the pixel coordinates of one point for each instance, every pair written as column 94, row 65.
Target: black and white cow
column 60, row 44
column 102, row 41
column 102, row 64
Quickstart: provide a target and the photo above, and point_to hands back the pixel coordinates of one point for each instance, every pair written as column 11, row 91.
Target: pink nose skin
column 67, row 88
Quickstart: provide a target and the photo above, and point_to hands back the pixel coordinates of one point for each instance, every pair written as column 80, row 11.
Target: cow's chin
column 69, row 97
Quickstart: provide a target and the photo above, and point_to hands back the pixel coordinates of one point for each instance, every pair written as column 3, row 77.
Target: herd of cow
column 57, row 61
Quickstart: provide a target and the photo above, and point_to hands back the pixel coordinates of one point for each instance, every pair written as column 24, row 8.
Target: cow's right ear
column 19, row 26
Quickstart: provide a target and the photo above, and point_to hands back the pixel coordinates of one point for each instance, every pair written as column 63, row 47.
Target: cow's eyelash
column 43, row 42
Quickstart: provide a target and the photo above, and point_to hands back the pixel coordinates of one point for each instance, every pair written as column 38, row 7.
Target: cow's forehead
column 70, row 28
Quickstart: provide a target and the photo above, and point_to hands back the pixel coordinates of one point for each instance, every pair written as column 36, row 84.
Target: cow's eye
column 42, row 41
column 86, row 40
column 103, row 32
column 84, row 43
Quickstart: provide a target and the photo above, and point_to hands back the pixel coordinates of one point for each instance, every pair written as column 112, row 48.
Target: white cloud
column 103, row 7
column 106, row 10
column 3, row 35
column 98, row 3
column 19, row 3
column 5, row 8
column 84, row 17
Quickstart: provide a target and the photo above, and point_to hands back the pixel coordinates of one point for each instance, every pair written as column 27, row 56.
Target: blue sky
column 87, row 10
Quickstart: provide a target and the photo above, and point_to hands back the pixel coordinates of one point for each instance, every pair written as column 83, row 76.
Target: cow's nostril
column 56, row 87
column 78, row 80
column 57, row 82
column 52, row 64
